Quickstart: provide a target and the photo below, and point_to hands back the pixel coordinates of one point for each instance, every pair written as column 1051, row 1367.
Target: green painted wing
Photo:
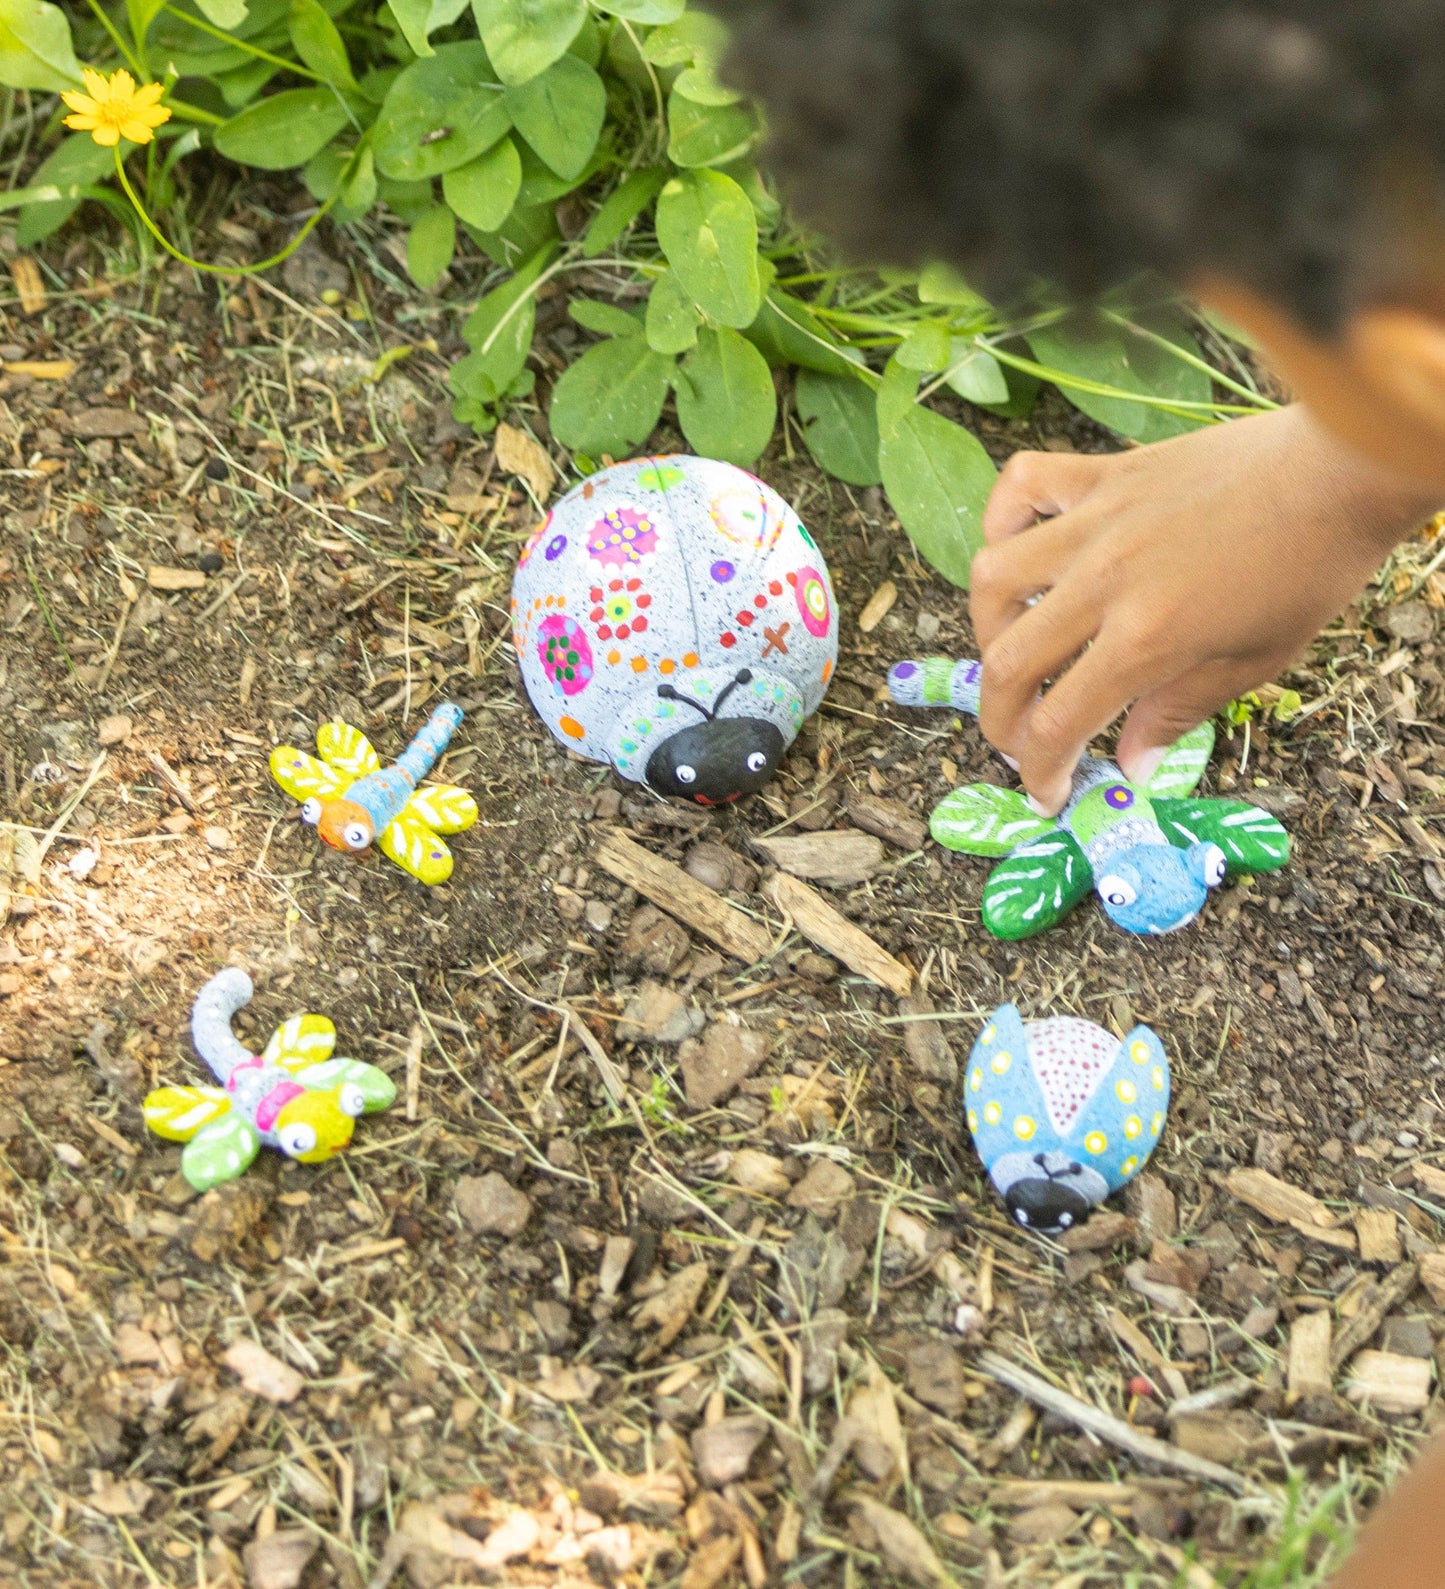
column 376, row 1087
column 1252, row 840
column 1036, row 887
column 1183, row 765
column 986, row 820
column 219, row 1152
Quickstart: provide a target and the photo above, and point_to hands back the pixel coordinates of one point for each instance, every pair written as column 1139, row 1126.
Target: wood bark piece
column 667, row 885
column 175, row 579
column 1432, row 1273
column 818, row 921
column 891, row 821
column 1309, row 1369
column 1277, row 1199
column 1104, row 1424
column 1379, row 1234
column 839, row 856
column 1131, row 1336
column 1389, row 1382
column 1428, row 1177
column 1378, row 1301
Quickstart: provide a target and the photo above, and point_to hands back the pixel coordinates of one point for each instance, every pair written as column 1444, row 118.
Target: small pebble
column 210, row 562
column 598, row 915
column 1408, row 1139
column 216, row 469
column 926, row 627
column 218, row 838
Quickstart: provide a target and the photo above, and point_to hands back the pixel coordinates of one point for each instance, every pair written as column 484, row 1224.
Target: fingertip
column 1048, row 804
column 1141, row 765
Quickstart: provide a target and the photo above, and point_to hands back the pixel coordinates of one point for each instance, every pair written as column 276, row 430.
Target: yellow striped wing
column 301, row 1041
column 347, row 749
column 416, row 849
column 302, row 776
column 178, row 1113
column 442, row 807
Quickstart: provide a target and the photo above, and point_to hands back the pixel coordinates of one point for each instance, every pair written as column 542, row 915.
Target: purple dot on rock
column 723, row 571
column 555, row 547
column 904, row 670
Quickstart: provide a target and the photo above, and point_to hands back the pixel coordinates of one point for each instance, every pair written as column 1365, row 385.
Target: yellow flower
column 116, row 109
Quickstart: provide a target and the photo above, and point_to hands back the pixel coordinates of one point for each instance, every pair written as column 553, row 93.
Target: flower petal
column 95, row 83
column 122, row 85
column 106, row 136
column 136, row 131
column 148, row 94
column 81, row 102
column 82, row 123
column 153, row 115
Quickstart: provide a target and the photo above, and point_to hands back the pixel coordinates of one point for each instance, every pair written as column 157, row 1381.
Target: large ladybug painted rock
column 1062, row 1112
column 673, row 617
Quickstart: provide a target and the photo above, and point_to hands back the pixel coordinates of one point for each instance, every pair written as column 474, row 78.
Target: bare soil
column 352, row 551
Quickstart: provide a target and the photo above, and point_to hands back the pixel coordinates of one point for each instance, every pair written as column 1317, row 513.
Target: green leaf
column 282, row 130
column 707, row 229
column 691, row 37
column 359, row 193
column 239, row 87
column 611, row 398
column 1097, row 350
column 79, row 159
column 747, row 177
column 419, row 19
column 606, row 319
column 938, row 478
column 35, row 47
column 483, row 191
column 316, row 41
column 840, row 425
column 621, row 208
column 925, row 348
column 520, row 236
column 524, row 37
column 430, row 245
column 542, row 185
column 407, row 200
column 141, row 13
column 787, row 331
column 440, row 113
column 413, row 17
column 228, row 14
column 560, row 113
column 974, row 373
column 672, row 317
column 942, row 284
column 726, row 403
column 499, row 332
column 708, row 135
column 650, row 13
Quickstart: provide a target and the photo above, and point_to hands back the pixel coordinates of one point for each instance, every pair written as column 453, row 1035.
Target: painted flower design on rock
column 565, row 654
column 622, row 536
column 620, row 609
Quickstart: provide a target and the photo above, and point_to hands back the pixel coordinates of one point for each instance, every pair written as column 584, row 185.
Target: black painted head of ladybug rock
column 717, row 759
column 1047, row 1192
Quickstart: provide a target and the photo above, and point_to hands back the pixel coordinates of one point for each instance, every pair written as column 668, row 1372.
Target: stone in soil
column 280, row 1560
column 722, row 1451
column 822, row 1189
column 492, row 1206
column 654, row 943
column 934, row 1373
column 759, row 1174
column 1408, row 1337
column 657, row 1014
column 1153, row 1206
column 1220, row 1436
column 727, row 1055
column 924, row 1041
column 1105, row 1227
column 1043, row 1525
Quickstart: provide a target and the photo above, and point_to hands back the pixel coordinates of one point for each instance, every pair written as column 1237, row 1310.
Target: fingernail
column 1042, row 808
column 1146, row 764
column 1008, row 761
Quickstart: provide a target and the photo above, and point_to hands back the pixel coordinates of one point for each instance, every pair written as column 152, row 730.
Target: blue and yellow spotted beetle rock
column 1151, row 854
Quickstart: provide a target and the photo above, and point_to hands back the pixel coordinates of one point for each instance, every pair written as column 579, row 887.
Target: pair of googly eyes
column 1064, row 1222
column 1205, row 861
column 353, row 835
column 755, row 763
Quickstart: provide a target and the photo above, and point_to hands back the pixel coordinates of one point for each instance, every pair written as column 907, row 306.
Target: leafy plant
column 471, row 121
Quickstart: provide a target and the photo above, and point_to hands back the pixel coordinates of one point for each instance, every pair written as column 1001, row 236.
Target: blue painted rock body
column 673, row 618
column 1062, row 1112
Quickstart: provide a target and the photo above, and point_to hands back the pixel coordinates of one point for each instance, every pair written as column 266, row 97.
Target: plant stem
column 184, row 112
column 1185, row 408
column 45, row 609
column 223, row 270
column 127, row 54
column 1186, row 357
column 241, row 44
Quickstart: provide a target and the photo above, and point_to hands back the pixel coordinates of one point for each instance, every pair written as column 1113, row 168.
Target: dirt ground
column 657, row 1342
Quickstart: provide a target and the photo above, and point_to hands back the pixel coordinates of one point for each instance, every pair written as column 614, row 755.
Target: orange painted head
column 342, row 824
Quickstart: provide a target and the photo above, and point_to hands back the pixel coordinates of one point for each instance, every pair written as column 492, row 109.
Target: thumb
column 1164, row 715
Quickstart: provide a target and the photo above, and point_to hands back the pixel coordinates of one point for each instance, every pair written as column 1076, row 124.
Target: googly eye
column 1065, row 1221
column 1117, row 891
column 350, row 1101
column 355, row 836
column 311, row 812
column 1213, row 865
column 686, row 774
column 1022, row 1216
column 757, row 761
column 296, row 1138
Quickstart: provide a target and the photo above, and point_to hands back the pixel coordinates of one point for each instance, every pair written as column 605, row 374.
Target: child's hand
column 1175, row 577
